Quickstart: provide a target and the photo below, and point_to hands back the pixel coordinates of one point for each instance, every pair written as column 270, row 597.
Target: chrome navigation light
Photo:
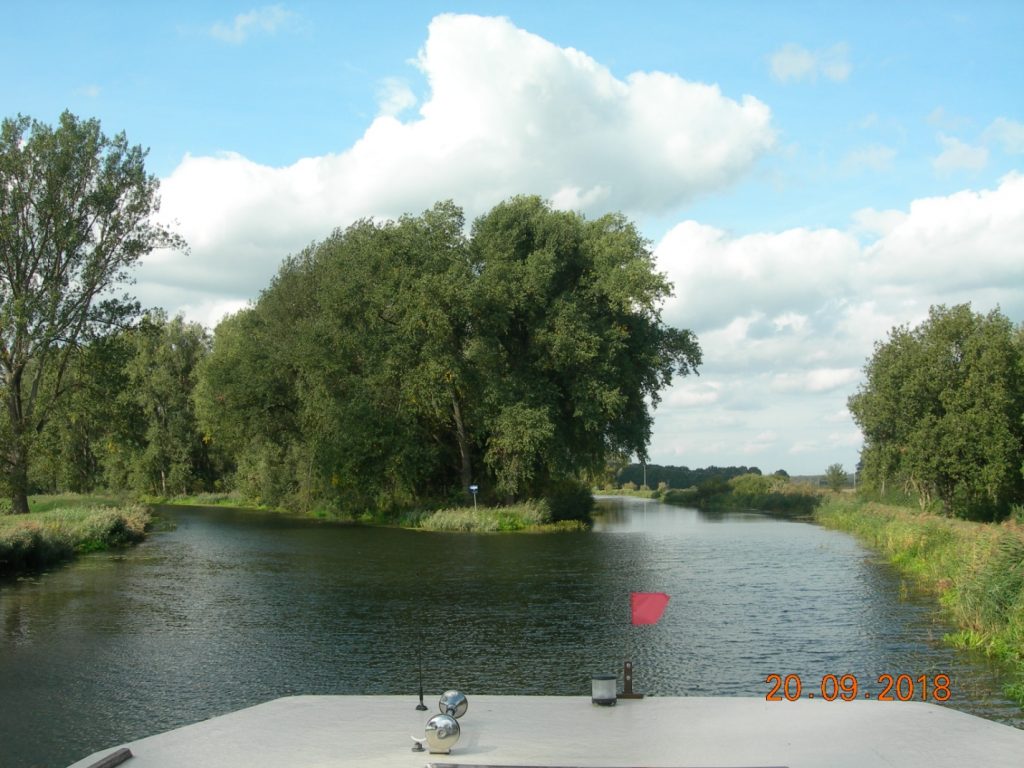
column 442, row 734
column 453, row 703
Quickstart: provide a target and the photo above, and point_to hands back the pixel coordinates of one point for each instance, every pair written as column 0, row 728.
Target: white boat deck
column 369, row 731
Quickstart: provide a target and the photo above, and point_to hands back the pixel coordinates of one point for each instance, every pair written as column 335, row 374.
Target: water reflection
column 233, row 608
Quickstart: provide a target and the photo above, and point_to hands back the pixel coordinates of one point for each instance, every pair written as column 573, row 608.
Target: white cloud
column 953, row 245
column 788, row 319
column 759, row 443
column 91, row 91
column 394, row 96
column 718, row 277
column 1008, row 133
column 958, row 156
column 871, row 222
column 507, row 112
column 794, row 62
column 815, row 379
column 691, row 393
column 267, row 20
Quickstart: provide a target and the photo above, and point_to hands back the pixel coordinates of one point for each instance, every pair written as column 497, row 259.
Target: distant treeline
column 679, row 477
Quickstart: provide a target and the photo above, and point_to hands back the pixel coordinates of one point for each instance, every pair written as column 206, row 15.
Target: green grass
column 528, row 516
column 638, row 493
column 46, row 503
column 41, row 539
column 218, row 499
column 976, row 571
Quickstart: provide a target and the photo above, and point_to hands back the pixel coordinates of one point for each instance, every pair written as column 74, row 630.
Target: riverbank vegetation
column 942, row 413
column 385, row 369
column 524, row 517
column 723, row 488
column 976, row 570
column 39, row 539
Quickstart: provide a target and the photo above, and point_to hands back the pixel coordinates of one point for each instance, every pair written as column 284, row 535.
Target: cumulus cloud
column 266, row 20
column 506, row 112
column 789, row 318
column 794, row 62
column 958, row 156
column 394, row 96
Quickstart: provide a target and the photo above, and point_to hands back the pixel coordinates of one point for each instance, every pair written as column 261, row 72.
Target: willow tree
column 76, row 210
column 403, row 360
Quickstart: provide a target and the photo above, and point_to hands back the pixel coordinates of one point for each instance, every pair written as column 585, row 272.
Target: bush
column 570, row 500
column 39, row 539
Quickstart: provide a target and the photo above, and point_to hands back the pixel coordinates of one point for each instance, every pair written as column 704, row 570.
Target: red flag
column 647, row 606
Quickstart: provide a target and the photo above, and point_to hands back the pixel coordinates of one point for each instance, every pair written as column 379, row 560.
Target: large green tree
column 400, row 360
column 942, row 412
column 76, row 212
column 169, row 457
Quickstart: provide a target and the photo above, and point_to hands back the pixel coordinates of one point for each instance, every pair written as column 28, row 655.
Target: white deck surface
column 368, row 731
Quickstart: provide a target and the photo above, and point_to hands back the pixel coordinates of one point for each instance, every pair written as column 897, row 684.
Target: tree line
column 942, row 413
column 393, row 364
column 678, row 477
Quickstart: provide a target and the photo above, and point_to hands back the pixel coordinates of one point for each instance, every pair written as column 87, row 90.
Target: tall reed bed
column 40, row 539
column 975, row 569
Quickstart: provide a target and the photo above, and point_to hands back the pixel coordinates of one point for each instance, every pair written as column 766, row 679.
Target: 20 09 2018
column 847, row 688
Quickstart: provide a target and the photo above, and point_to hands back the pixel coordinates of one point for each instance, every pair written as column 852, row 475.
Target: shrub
column 569, row 500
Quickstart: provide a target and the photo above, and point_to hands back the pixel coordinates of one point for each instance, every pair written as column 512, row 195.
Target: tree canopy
column 942, row 412
column 76, row 212
column 403, row 360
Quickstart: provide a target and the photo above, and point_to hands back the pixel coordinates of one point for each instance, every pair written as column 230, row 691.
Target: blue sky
column 809, row 174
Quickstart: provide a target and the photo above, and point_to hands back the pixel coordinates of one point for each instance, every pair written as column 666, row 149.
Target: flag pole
column 627, row 667
column 645, row 608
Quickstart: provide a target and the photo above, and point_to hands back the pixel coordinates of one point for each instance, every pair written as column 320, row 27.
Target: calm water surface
column 235, row 608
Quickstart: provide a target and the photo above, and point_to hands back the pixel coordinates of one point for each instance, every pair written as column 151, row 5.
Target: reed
column 528, row 516
column 41, row 539
column 976, row 571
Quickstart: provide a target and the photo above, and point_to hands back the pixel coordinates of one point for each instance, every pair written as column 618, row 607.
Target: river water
column 233, row 608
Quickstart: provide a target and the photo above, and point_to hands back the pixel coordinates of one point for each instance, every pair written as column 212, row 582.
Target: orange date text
column 848, row 687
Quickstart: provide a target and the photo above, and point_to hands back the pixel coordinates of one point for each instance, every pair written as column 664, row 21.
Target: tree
column 170, row 457
column 835, row 477
column 76, row 212
column 407, row 360
column 942, row 412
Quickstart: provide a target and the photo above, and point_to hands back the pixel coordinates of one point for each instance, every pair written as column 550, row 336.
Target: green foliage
column 167, row 456
column 976, row 570
column 398, row 362
column 679, row 477
column 38, row 539
column 771, row 493
column 835, row 477
column 76, row 211
column 942, row 412
column 755, row 485
column 518, row 517
column 569, row 500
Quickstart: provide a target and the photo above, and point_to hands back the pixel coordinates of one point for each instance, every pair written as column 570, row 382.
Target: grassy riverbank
column 58, row 529
column 529, row 516
column 976, row 570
